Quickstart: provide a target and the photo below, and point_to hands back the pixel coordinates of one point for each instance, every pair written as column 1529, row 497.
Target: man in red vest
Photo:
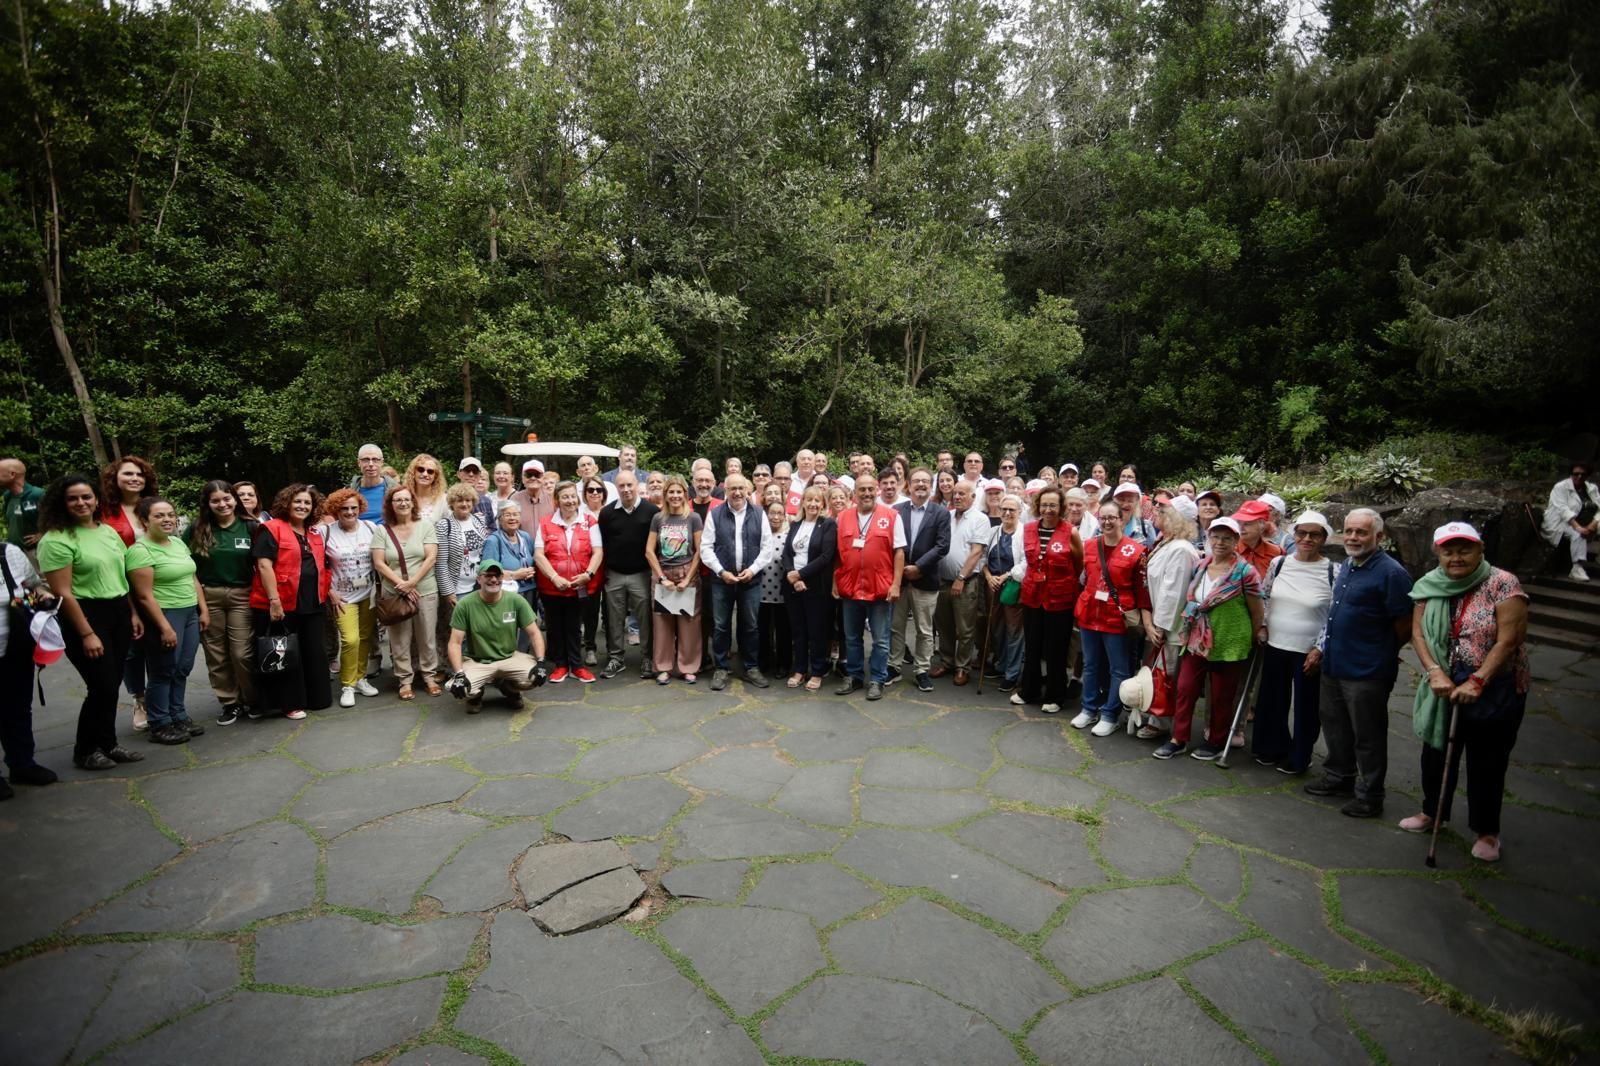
column 866, row 581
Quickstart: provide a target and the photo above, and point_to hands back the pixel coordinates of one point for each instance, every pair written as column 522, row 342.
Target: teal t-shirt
column 174, row 571
column 95, row 556
column 22, row 513
column 491, row 628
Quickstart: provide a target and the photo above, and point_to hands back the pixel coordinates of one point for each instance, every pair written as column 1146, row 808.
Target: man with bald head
column 22, row 504
column 588, row 468
column 625, row 527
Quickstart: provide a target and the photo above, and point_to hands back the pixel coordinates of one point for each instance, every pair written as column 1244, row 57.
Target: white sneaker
column 1579, row 573
column 1083, row 720
column 1017, row 700
column 1104, row 728
column 347, row 696
column 1051, row 708
column 366, row 688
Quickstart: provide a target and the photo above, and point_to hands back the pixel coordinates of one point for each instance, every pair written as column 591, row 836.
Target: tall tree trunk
column 80, row 387
column 391, row 408
column 466, row 405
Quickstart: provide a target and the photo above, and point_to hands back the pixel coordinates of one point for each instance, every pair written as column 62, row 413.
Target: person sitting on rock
column 483, row 642
column 1574, row 513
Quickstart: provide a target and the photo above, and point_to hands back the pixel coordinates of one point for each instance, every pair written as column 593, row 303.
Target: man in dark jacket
column 625, row 525
column 928, row 538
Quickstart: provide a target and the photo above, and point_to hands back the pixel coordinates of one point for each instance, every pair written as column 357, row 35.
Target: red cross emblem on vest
column 883, row 523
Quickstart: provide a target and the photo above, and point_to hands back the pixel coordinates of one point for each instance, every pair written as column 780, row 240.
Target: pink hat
column 1455, row 531
column 994, row 484
column 1090, row 483
column 1033, row 486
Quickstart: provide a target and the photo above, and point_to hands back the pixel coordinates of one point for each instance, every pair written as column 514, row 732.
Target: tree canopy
column 241, row 239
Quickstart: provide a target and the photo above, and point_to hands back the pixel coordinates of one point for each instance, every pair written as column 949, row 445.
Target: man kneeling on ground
column 483, row 642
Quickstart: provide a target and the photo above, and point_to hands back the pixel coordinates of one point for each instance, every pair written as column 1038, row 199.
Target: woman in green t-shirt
column 161, row 573
column 82, row 559
column 220, row 541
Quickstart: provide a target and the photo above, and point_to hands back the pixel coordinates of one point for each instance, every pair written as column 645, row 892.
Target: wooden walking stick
column 1432, row 860
column 988, row 627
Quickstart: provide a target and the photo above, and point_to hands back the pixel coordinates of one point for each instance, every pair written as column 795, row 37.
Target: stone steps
column 1564, row 613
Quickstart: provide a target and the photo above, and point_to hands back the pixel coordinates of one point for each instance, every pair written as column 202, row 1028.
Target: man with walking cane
column 1358, row 653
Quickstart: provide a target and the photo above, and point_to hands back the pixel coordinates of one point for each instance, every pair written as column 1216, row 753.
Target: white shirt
column 567, row 528
column 802, row 543
column 1089, row 528
column 966, row 529
column 1167, row 576
column 22, row 571
column 1298, row 605
column 350, row 552
column 1564, row 506
column 708, row 540
column 897, row 534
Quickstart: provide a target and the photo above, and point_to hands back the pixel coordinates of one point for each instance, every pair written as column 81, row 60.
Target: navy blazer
column 819, row 562
column 930, row 547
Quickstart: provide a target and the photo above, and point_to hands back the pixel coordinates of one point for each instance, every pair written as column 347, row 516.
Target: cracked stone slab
column 1561, row 916
column 269, row 1028
column 1117, row 1025
column 215, row 800
column 531, row 755
column 1140, row 844
column 449, row 730
column 1537, row 848
column 898, row 712
column 583, row 723
column 730, row 730
column 436, row 1055
column 229, row 883
column 820, row 794
column 718, row 940
column 523, row 796
column 877, row 1021
column 381, row 867
column 1431, row 923
column 75, row 1001
column 652, row 754
column 722, row 828
column 913, row 769
column 965, row 736
column 1543, row 741
column 1054, row 849
column 1415, row 1032
column 624, row 694
column 549, row 868
column 1152, row 781
column 751, row 774
column 685, row 714
column 914, row 859
column 479, row 877
column 362, row 738
column 1285, row 1006
column 336, row 804
column 719, row 881
column 643, row 854
column 1039, row 744
column 1042, row 789
column 819, row 889
column 56, row 858
column 1287, row 902
column 834, row 744
column 826, row 716
column 589, row 903
column 600, row 996
column 636, row 808
column 1312, row 832
column 926, row 944
column 1216, row 872
column 342, row 952
column 1111, row 935
column 919, row 808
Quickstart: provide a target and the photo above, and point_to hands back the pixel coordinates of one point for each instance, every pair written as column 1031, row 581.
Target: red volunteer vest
column 286, row 567
column 1051, row 581
column 569, row 564
column 866, row 573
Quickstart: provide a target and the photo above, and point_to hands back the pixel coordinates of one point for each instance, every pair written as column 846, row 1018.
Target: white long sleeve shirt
column 708, row 541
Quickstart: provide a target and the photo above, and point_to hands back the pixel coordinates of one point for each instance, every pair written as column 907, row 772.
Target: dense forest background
column 252, row 236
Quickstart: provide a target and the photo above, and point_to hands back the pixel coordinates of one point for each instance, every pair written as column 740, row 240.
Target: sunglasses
column 591, row 492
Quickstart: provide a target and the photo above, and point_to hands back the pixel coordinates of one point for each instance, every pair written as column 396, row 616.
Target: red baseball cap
column 1252, row 511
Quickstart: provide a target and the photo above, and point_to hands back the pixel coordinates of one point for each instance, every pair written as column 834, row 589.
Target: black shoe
column 1360, row 807
column 228, row 715
column 757, row 678
column 34, row 775
column 121, row 754
column 255, row 714
column 1007, row 686
column 874, row 691
column 167, row 734
column 847, row 686
column 1267, row 760
column 474, row 704
column 1285, row 768
column 1205, row 753
column 1331, row 786
column 5, row 790
column 193, row 728
column 924, row 683
column 613, row 668
column 894, row 675
column 95, row 760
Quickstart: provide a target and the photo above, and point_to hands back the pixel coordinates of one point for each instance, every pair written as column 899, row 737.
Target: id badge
column 860, row 542
column 1103, row 596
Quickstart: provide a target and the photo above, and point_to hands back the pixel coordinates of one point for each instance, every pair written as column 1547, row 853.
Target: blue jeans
column 1107, row 663
column 169, row 667
column 723, row 599
column 876, row 615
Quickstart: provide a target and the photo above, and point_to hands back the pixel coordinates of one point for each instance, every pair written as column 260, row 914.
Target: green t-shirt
column 22, row 513
column 174, row 571
column 95, row 556
column 229, row 563
column 491, row 628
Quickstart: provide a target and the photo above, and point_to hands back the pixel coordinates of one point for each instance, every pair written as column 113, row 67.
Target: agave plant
column 1235, row 473
column 1349, row 470
column 1301, row 498
column 1396, row 477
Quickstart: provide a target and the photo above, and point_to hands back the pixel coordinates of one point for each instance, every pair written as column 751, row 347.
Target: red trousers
column 1225, row 678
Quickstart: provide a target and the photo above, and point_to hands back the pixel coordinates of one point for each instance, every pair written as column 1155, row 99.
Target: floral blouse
column 1478, row 627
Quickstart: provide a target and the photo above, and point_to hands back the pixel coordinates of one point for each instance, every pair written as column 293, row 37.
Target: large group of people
column 1054, row 585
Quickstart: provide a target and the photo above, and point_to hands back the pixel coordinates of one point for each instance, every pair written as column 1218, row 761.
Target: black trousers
column 777, row 644
column 564, row 641
column 16, row 698
column 112, row 622
column 305, row 689
column 810, row 628
column 1488, row 743
column 1046, row 638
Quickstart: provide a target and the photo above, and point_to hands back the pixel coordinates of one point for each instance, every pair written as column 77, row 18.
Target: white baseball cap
column 1274, row 501
column 994, row 484
column 1224, row 523
column 1314, row 518
column 533, row 464
column 1125, row 488
column 469, row 461
column 1184, row 506
column 1090, row 483
column 1069, row 466
column 1456, row 531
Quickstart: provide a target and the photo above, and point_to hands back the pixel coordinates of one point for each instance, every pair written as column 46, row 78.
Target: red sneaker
column 558, row 675
column 584, row 674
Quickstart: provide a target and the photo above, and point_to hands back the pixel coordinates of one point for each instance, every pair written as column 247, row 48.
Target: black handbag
column 277, row 653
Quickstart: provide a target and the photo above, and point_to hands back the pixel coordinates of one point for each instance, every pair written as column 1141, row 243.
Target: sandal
column 688, row 679
column 1238, row 739
column 795, row 679
column 1150, row 732
column 663, row 678
column 813, row 684
column 433, row 687
column 406, row 693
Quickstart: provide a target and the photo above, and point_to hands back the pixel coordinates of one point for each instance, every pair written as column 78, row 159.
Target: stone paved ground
column 934, row 879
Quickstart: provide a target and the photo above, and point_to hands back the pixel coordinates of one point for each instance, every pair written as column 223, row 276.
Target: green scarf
column 1430, row 713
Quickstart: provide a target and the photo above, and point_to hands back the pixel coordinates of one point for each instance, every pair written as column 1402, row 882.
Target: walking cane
column 1238, row 708
column 1432, row 860
column 988, row 627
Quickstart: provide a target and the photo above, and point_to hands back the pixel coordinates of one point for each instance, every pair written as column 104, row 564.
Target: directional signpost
column 479, row 423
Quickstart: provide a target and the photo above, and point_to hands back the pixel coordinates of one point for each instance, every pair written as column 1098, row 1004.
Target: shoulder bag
column 1130, row 617
column 396, row 606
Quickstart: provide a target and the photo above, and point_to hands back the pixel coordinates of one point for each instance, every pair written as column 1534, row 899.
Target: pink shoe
column 1417, row 823
column 1486, row 849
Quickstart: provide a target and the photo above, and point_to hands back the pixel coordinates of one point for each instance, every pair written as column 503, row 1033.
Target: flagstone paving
column 930, row 878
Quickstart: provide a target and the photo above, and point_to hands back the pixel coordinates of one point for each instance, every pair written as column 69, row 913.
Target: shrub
column 1235, row 473
column 1396, row 477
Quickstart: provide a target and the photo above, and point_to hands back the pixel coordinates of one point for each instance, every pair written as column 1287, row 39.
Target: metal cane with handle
column 1432, row 860
column 1238, row 707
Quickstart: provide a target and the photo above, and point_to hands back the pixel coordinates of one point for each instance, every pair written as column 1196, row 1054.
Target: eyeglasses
column 1310, row 534
column 1008, row 466
column 1008, row 510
